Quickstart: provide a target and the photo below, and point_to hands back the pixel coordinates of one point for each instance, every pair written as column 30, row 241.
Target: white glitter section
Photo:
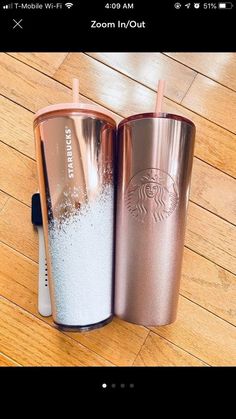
column 82, row 254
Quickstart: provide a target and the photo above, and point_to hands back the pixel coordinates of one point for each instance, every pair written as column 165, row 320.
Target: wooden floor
column 199, row 86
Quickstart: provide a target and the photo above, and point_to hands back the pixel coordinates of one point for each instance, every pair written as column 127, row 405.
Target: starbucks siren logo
column 151, row 195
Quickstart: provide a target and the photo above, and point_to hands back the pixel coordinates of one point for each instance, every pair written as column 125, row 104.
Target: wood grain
column 220, row 67
column 46, row 62
column 119, row 341
column 16, row 229
column 211, row 237
column 159, row 352
column 18, row 175
column 205, row 183
column 217, row 103
column 209, row 285
column 18, row 278
column 3, row 199
column 148, row 68
column 29, row 87
column 16, row 79
column 17, row 127
column 33, row 342
column 202, row 334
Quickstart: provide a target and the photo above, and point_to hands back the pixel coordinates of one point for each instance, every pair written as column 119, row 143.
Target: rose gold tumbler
column 155, row 153
column 75, row 156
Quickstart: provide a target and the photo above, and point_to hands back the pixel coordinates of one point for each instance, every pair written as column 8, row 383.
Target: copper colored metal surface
column 75, row 157
column 155, row 160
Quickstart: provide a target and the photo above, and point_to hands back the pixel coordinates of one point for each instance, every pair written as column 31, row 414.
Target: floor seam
column 141, row 347
column 180, row 347
column 195, row 76
column 199, row 72
column 209, row 311
column 11, row 359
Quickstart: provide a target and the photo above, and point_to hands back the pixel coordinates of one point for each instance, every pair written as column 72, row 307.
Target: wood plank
column 29, row 87
column 211, row 237
column 213, row 101
column 3, row 199
column 18, row 279
column 220, row 66
column 157, row 351
column 7, row 362
column 213, row 144
column 148, row 68
column 18, row 176
column 119, row 342
column 31, row 341
column 125, row 97
column 202, row 334
column 17, row 127
column 213, row 190
column 32, row 89
column 16, row 229
column 46, row 62
column 208, row 285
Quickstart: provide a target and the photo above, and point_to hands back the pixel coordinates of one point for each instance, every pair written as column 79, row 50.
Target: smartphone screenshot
column 117, row 191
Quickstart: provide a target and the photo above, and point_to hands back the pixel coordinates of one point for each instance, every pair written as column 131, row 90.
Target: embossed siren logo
column 151, row 195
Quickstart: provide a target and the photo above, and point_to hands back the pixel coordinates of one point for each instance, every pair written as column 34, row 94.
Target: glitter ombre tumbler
column 155, row 153
column 75, row 155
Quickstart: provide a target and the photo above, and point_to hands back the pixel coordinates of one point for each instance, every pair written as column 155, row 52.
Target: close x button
column 17, row 24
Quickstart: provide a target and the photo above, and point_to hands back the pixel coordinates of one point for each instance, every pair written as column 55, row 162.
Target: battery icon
column 225, row 6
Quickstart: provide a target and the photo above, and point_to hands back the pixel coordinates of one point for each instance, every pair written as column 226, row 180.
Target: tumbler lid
column 86, row 108
column 81, row 107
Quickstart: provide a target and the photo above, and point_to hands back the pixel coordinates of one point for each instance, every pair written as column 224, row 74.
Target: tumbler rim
column 150, row 115
column 60, row 108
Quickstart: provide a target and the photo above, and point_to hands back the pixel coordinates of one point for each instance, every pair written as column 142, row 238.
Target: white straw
column 160, row 95
column 75, row 90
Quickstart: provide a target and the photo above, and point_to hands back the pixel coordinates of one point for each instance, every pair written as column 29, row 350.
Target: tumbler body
column 75, row 156
column 155, row 153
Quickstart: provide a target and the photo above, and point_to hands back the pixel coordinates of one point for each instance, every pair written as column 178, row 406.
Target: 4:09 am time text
column 119, row 6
